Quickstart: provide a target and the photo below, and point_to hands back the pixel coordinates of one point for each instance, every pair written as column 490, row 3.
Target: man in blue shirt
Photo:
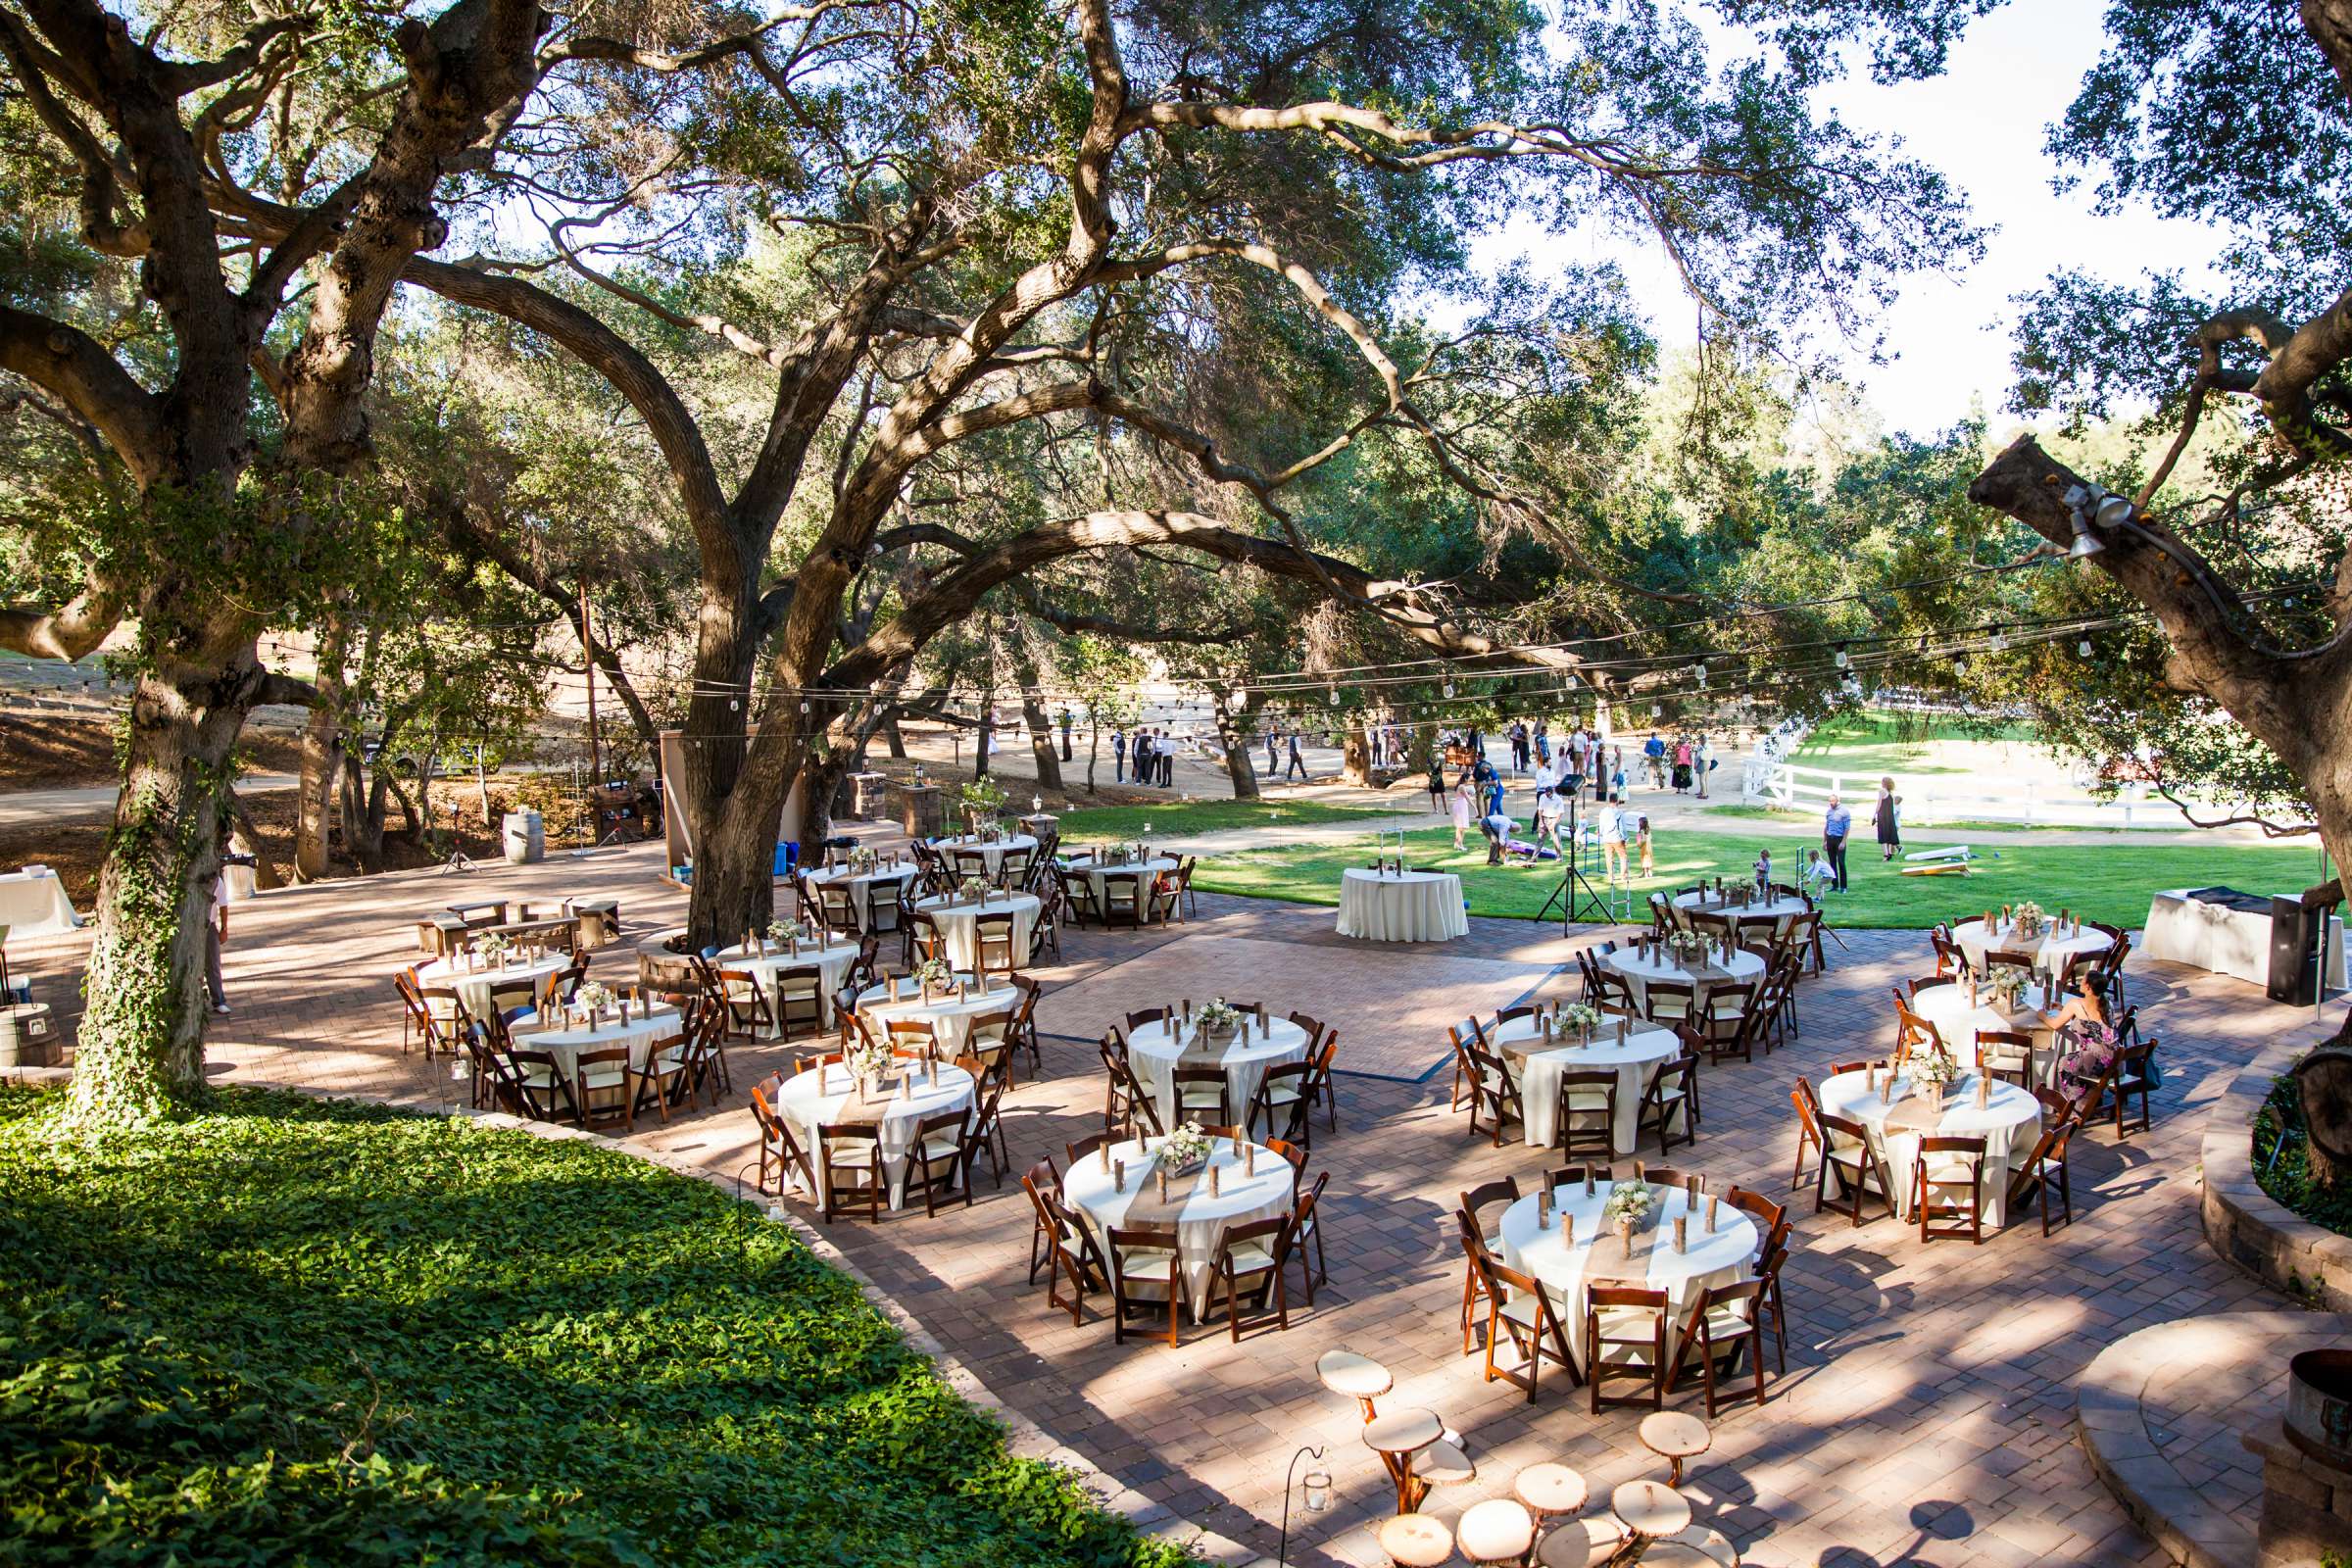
column 1836, row 823
column 1654, row 749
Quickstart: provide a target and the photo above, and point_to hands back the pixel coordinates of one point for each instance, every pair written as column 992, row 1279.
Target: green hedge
column 292, row 1331
column 2281, row 1167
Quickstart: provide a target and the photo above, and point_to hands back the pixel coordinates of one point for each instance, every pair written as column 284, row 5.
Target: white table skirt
column 993, row 854
column 810, row 1098
column 1724, row 1258
column 2010, row 1125
column 638, row 1034
column 833, row 960
column 1147, row 871
column 1635, row 1063
column 863, row 888
column 951, row 1017
column 1092, row 1193
column 1776, row 913
column 1743, row 966
column 958, row 927
column 1156, row 1053
column 34, row 904
column 1414, row 906
column 1960, row 1024
column 2225, row 941
column 473, row 986
column 2050, row 955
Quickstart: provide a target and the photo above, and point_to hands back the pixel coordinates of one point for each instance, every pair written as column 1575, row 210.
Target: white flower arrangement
column 2028, row 918
column 869, row 1060
column 1934, row 1065
column 493, row 944
column 785, row 931
column 1186, row 1144
column 863, row 861
column 1216, row 1018
column 594, row 997
column 1628, row 1200
column 2007, row 982
column 939, row 972
column 1581, row 1015
column 1687, row 943
column 971, row 887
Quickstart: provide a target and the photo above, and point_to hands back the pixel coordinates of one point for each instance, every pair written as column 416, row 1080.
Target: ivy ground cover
column 294, row 1330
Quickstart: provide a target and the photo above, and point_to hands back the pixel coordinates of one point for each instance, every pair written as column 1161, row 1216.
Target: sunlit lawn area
column 2100, row 881
column 1807, row 822
column 1875, row 741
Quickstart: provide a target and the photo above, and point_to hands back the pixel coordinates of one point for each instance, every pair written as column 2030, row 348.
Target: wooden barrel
column 27, row 1035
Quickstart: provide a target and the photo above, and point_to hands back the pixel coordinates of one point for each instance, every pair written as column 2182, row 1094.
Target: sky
column 1983, row 124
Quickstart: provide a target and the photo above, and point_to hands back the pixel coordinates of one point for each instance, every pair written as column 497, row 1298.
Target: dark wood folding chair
column 1625, row 1340
column 1947, row 1189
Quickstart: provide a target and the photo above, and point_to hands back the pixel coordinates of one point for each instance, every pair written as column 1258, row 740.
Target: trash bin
column 2295, row 945
column 525, row 838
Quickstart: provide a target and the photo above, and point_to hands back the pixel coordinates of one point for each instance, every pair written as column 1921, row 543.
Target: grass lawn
column 1876, row 742
column 2099, row 881
column 291, row 1330
column 1922, row 834
column 1127, row 824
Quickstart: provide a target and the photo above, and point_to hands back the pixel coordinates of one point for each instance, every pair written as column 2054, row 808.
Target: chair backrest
column 1763, row 1211
column 1313, row 1028
column 1136, row 1020
column 912, row 1036
column 1125, row 1238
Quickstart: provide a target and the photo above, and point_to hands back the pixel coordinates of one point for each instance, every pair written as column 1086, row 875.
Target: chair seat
column 1201, row 1096
column 1585, row 1100
column 1282, row 1095
column 939, row 1148
column 1520, row 1308
column 1250, row 1259
column 535, row 1077
column 1666, row 1097
column 1726, row 1322
column 846, row 1153
column 1613, row 1320
column 1147, row 1264
column 603, row 1077
column 1955, row 1174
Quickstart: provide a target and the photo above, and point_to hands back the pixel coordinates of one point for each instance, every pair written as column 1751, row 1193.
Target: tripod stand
column 1576, row 893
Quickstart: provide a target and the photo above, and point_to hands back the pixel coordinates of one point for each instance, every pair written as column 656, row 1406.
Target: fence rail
column 1929, row 800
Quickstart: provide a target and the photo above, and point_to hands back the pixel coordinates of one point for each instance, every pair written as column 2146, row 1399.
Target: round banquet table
column 1959, row 1024
column 1743, row 967
column 1148, row 871
column 1157, row 1053
column 658, row 1022
column 901, row 1102
column 949, row 1017
column 959, row 930
column 1566, row 1267
column 2009, row 1123
column 1200, row 1218
column 1774, row 911
column 1540, row 1072
column 473, row 979
column 864, row 887
column 832, row 961
column 1401, row 907
column 993, row 854
column 2051, row 953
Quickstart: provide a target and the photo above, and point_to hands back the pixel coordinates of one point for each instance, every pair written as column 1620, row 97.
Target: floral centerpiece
column 864, row 860
column 1629, row 1202
column 1185, row 1150
column 1582, row 1017
column 867, row 1062
column 972, row 886
column 2006, row 984
column 1217, row 1021
column 2028, row 918
column 493, row 945
column 937, row 973
column 786, row 931
column 982, row 802
column 594, row 998
column 1687, row 943
column 1934, row 1070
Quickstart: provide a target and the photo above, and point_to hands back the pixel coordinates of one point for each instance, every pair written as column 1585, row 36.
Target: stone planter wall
column 2246, row 1225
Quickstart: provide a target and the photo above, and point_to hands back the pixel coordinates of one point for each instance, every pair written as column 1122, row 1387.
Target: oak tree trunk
column 322, row 756
column 1041, row 735
column 1356, row 756
column 1234, row 733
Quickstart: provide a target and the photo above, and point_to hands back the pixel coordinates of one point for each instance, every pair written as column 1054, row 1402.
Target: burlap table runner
column 1201, row 1051
column 867, row 1109
column 1147, row 1209
column 1625, row 1260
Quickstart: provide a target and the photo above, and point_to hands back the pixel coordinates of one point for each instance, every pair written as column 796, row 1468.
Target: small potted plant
column 936, row 973
column 1185, row 1150
column 972, row 889
column 1628, row 1204
column 785, row 931
column 593, row 999
column 492, row 946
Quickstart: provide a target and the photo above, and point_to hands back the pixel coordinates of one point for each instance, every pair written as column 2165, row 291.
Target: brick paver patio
column 1925, row 1414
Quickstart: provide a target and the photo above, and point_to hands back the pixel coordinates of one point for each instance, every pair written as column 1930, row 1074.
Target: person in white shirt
column 1612, row 844
column 1705, row 759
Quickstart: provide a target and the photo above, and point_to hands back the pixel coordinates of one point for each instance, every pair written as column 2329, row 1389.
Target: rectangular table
column 2223, row 939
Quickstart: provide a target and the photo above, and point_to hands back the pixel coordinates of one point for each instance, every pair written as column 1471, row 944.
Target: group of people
column 1838, row 823
column 1682, row 761
column 1153, row 754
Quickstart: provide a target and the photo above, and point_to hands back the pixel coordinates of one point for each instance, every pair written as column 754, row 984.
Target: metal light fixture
column 1843, row 660
column 2088, row 505
column 2084, row 648
column 1447, row 688
column 1318, row 1494
column 1572, row 683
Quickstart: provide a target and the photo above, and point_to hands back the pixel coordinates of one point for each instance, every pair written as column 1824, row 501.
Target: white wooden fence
column 1930, row 799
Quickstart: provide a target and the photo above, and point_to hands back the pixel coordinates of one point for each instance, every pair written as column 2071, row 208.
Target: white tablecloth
column 821, row 1094
column 864, row 887
column 1093, row 872
column 2225, row 941
column 833, row 959
column 1742, row 966
column 1773, row 912
column 661, row 1022
column 2052, row 954
column 1722, row 1257
column 473, row 982
column 2010, row 1123
column 34, row 904
column 994, row 854
column 1411, row 906
column 1540, row 1076
column 1155, row 1053
column 951, row 1017
column 1959, row 1022
column 1091, row 1191
column 958, row 925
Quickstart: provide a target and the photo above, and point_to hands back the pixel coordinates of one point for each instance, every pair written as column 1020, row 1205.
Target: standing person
column 1641, row 832
column 1464, row 808
column 1437, row 781
column 1706, row 764
column 1143, row 756
column 1543, row 744
column 1273, row 738
column 1573, row 748
column 1297, row 763
column 1654, row 752
column 216, row 928
column 1166, row 751
column 1065, row 732
column 1885, row 818
column 1612, row 845
column 1519, row 746
column 1118, row 756
column 1682, row 764
column 1836, row 823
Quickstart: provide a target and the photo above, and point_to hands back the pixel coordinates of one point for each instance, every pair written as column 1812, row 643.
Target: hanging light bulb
column 1572, row 683
column 1447, row 688
column 2001, row 642
column 1333, row 696
column 2084, row 648
column 1843, row 660
column 1656, row 711
column 1960, row 665
column 803, row 704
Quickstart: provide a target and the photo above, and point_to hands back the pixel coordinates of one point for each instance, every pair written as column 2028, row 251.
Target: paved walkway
column 24, row 807
column 1926, row 1413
